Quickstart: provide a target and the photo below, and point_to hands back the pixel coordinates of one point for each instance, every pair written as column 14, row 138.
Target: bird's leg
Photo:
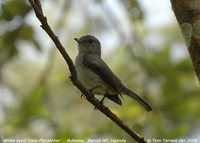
column 101, row 102
column 82, row 95
column 90, row 90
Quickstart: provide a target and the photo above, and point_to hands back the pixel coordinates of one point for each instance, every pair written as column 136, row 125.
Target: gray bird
column 96, row 76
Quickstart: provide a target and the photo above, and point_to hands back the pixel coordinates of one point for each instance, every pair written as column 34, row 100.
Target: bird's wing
column 97, row 65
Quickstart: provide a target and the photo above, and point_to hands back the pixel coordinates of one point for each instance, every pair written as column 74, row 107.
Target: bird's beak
column 77, row 40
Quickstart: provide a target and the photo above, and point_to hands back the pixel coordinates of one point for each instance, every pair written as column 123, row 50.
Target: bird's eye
column 90, row 41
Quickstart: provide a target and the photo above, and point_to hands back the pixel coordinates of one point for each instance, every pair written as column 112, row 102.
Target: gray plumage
column 95, row 75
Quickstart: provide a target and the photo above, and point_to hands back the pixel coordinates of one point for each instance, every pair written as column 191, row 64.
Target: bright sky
column 159, row 13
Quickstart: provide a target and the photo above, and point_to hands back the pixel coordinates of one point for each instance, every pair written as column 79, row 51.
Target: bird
column 96, row 75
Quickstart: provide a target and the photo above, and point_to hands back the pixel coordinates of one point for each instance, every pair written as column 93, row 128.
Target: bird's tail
column 137, row 98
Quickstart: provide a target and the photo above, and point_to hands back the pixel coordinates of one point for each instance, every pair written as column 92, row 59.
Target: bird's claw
column 101, row 102
column 83, row 95
column 90, row 90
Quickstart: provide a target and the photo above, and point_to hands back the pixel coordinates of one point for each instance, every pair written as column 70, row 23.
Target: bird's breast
column 90, row 79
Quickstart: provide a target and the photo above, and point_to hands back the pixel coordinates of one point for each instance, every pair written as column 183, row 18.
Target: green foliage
column 13, row 8
column 133, row 7
column 32, row 106
column 13, row 13
column 177, row 99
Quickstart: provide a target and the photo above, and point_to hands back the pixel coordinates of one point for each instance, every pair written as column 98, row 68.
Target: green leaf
column 26, row 32
column 14, row 7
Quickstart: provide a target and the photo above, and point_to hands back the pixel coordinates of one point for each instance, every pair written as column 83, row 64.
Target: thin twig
column 89, row 96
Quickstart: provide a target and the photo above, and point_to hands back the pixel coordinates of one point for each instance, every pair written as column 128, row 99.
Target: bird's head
column 89, row 45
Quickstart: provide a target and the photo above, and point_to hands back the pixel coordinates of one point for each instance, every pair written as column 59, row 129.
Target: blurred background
column 142, row 44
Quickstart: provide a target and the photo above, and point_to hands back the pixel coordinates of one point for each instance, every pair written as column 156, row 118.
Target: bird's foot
column 90, row 90
column 101, row 102
column 83, row 95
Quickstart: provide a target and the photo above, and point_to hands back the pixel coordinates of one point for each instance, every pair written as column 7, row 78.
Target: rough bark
column 187, row 13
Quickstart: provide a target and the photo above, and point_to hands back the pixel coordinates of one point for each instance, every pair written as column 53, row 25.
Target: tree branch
column 188, row 16
column 89, row 96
